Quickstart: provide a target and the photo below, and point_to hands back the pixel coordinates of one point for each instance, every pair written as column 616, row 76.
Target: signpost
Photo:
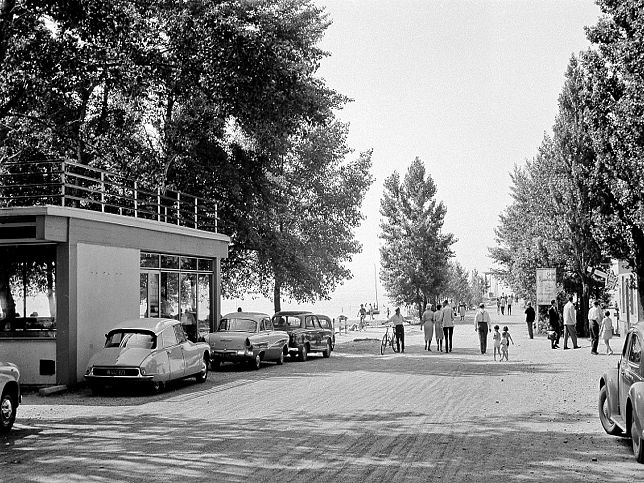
column 546, row 285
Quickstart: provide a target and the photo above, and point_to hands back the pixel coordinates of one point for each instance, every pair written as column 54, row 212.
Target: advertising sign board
column 546, row 285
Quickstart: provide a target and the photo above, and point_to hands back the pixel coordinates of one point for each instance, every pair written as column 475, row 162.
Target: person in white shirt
column 482, row 326
column 447, row 318
column 594, row 319
column 397, row 320
column 570, row 319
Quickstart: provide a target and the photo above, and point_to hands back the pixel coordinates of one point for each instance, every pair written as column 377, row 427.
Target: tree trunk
column 277, row 303
column 638, row 266
column 582, row 325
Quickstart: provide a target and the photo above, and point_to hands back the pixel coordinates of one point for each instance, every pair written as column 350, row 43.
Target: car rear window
column 237, row 325
column 131, row 339
column 284, row 322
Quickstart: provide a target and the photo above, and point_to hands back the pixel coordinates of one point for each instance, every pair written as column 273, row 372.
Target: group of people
column 600, row 325
column 504, row 304
column 438, row 322
column 483, row 325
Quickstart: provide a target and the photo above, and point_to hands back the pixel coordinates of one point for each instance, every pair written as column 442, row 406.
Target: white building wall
column 107, row 293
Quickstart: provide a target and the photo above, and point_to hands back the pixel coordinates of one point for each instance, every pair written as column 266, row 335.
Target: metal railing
column 67, row 183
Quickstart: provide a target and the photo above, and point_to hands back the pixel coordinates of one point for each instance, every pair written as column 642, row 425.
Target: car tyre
column 326, row 353
column 304, row 353
column 215, row 365
column 7, row 412
column 636, row 438
column 280, row 361
column 202, row 376
column 608, row 424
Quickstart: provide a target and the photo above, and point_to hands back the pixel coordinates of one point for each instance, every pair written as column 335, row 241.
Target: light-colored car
column 10, row 393
column 147, row 351
column 621, row 393
column 247, row 337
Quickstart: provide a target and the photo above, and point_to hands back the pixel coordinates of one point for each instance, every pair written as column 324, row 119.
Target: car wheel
column 327, row 352
column 157, row 387
column 256, row 363
column 609, row 426
column 203, row 374
column 7, row 412
column 304, row 353
column 215, row 365
column 280, row 361
column 636, row 438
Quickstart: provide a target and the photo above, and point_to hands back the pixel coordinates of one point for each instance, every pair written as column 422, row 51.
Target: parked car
column 305, row 333
column 10, row 391
column 327, row 323
column 247, row 337
column 621, row 393
column 147, row 351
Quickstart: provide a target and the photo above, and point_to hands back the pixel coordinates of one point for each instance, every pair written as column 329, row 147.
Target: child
column 606, row 332
column 506, row 338
column 497, row 342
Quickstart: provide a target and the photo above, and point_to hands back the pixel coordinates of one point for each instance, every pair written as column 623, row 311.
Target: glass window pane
column 188, row 263
column 203, row 305
column 28, row 291
column 143, row 291
column 169, row 261
column 149, row 260
column 153, row 294
column 205, row 265
column 169, row 295
column 189, row 304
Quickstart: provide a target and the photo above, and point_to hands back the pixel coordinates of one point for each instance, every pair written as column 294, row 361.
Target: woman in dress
column 438, row 328
column 428, row 326
column 606, row 332
column 461, row 310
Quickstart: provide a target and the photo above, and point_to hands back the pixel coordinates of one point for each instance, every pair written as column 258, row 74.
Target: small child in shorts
column 497, row 342
column 506, row 338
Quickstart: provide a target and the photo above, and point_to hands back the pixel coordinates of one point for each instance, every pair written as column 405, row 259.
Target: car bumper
column 231, row 355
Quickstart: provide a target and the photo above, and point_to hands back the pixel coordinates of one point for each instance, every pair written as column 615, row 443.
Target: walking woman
column 428, row 326
column 438, row 328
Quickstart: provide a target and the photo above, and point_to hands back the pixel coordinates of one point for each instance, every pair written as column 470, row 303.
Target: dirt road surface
column 358, row 416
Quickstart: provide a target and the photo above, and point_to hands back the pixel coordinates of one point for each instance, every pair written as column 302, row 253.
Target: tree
column 458, row 286
column 478, row 288
column 614, row 95
column 415, row 252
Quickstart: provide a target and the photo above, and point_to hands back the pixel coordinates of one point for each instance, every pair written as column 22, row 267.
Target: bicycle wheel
column 383, row 344
column 394, row 347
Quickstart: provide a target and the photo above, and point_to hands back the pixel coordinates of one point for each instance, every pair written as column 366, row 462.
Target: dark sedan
column 306, row 333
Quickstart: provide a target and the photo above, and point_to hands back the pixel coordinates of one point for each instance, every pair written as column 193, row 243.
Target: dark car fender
column 610, row 380
column 636, row 398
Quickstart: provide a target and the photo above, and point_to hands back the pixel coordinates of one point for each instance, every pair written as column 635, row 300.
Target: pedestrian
column 482, row 326
column 498, row 305
column 371, row 311
column 606, row 332
column 506, row 338
column 362, row 313
column 570, row 319
column 397, row 320
column 529, row 319
column 428, row 326
column 447, row 319
column 461, row 310
column 555, row 324
column 497, row 342
column 594, row 319
column 438, row 327
column 510, row 304
column 387, row 312
column 503, row 302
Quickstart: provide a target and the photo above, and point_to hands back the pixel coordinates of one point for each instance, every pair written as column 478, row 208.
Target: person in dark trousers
column 529, row 319
column 594, row 319
column 397, row 320
column 482, row 326
column 554, row 321
column 447, row 317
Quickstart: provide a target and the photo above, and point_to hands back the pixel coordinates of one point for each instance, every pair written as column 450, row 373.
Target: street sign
column 611, row 281
column 546, row 285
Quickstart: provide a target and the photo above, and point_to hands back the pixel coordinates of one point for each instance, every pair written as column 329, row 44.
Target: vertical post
column 178, row 208
column 136, row 200
column 102, row 192
column 62, row 182
column 216, row 218
column 121, row 200
column 158, row 204
column 195, row 212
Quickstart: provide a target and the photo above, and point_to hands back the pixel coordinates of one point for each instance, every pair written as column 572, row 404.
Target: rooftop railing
column 67, row 183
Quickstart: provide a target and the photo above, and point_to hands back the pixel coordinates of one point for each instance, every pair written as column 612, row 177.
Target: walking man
column 529, row 319
column 570, row 319
column 398, row 322
column 447, row 318
column 594, row 318
column 555, row 325
column 482, row 326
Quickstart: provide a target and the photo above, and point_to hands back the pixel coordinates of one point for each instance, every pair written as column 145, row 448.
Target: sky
column 469, row 87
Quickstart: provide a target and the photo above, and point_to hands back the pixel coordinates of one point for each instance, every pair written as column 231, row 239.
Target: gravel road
column 358, row 416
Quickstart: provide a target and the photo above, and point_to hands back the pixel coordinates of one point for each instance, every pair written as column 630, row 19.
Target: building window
column 28, row 291
column 178, row 288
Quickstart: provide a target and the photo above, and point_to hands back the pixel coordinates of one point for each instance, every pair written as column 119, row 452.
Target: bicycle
column 389, row 339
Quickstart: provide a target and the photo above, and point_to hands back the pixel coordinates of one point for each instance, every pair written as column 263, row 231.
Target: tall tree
column 615, row 97
column 415, row 251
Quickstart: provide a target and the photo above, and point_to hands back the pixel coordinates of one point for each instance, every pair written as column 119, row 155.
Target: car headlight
column 88, row 371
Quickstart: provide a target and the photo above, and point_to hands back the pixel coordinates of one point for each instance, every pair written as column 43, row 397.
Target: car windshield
column 237, row 325
column 131, row 339
column 284, row 322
